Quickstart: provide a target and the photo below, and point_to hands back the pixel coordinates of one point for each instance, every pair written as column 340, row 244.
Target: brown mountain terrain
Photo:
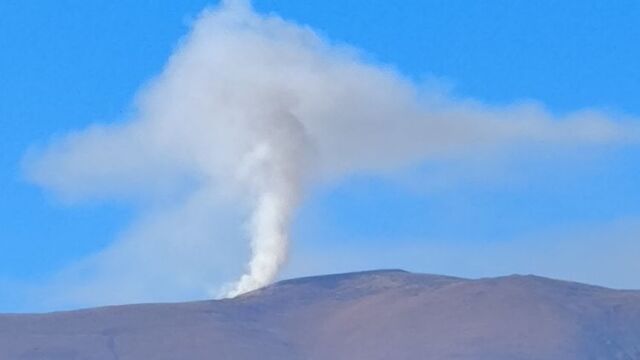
column 387, row 314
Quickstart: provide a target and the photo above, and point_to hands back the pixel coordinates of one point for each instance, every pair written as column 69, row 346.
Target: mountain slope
column 388, row 314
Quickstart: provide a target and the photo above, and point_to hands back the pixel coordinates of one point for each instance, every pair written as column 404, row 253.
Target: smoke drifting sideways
column 255, row 109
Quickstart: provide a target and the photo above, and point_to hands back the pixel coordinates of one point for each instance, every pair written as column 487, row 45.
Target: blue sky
column 68, row 64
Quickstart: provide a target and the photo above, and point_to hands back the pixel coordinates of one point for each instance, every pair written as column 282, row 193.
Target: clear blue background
column 65, row 64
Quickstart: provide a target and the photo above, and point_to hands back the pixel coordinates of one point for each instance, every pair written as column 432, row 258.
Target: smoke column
column 274, row 170
column 249, row 110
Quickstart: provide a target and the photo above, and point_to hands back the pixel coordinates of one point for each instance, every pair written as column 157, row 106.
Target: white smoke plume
column 251, row 109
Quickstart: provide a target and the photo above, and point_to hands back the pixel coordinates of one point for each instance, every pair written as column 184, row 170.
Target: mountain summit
column 384, row 314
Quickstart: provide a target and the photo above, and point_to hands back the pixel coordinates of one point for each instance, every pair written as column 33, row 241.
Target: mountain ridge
column 379, row 314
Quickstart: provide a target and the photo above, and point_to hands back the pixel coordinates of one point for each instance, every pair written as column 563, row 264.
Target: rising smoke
column 254, row 108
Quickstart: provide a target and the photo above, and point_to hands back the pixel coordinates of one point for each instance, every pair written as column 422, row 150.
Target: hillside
column 387, row 314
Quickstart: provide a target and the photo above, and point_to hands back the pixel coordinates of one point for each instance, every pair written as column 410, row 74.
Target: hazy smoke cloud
column 251, row 109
